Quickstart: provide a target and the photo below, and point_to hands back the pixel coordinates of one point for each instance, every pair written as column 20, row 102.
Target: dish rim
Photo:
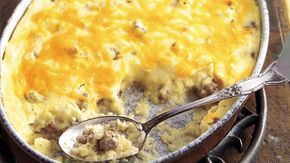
column 20, row 11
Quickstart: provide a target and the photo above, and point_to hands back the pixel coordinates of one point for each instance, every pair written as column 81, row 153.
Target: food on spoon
column 115, row 139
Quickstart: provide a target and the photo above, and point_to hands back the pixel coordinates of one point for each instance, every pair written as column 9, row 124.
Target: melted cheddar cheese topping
column 93, row 42
column 70, row 60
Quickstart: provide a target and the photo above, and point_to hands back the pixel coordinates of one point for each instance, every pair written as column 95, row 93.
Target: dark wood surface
column 6, row 8
column 276, row 147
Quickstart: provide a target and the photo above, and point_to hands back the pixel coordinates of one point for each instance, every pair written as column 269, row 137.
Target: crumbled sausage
column 134, row 53
column 229, row 3
column 164, row 94
column 31, row 55
column 75, row 52
column 34, row 97
column 82, row 90
column 253, row 54
column 107, row 142
column 86, row 137
column 139, row 27
column 209, row 89
column 104, row 105
column 175, row 47
column 51, row 131
column 72, row 51
column 251, row 25
column 82, row 104
column 120, row 93
column 114, row 53
column 104, row 102
column 35, row 49
column 175, row 3
column 138, row 86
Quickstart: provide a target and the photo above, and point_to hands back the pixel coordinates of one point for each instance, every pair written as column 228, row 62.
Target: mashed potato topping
column 70, row 60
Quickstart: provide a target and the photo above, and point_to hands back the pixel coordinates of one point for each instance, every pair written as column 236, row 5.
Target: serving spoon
column 276, row 74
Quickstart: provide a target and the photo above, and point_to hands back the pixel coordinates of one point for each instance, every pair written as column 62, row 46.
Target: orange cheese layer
column 77, row 40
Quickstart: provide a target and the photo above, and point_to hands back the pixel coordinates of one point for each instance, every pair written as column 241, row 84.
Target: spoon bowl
column 67, row 140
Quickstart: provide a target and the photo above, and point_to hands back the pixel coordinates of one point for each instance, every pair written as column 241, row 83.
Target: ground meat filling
column 82, row 104
column 104, row 105
column 87, row 137
column 34, row 97
column 107, row 142
column 208, row 89
column 50, row 131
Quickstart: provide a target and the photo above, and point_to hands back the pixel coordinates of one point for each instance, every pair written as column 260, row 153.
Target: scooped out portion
column 113, row 140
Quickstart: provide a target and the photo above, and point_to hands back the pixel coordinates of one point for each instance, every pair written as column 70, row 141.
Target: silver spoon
column 276, row 74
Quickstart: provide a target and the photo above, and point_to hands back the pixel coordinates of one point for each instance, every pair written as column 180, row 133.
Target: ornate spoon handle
column 269, row 77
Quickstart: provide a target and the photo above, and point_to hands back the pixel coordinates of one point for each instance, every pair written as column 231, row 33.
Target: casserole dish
column 264, row 42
